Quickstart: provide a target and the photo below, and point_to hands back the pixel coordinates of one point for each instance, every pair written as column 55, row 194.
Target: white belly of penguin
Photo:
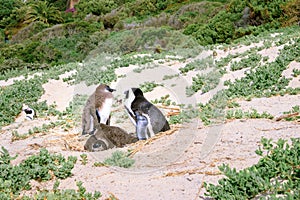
column 105, row 110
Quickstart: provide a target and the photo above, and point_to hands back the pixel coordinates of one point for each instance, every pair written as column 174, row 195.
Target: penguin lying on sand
column 107, row 137
column 97, row 109
column 147, row 118
column 28, row 111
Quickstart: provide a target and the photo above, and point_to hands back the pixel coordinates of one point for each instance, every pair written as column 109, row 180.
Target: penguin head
column 24, row 107
column 104, row 88
column 108, row 89
column 137, row 92
column 94, row 144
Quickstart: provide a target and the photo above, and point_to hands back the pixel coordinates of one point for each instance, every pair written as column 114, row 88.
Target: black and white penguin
column 97, row 109
column 147, row 118
column 28, row 111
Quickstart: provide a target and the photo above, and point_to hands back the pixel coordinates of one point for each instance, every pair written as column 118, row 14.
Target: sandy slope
column 173, row 166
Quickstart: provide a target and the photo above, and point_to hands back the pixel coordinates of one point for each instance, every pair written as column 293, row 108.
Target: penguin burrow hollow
column 97, row 109
column 146, row 117
column 107, row 137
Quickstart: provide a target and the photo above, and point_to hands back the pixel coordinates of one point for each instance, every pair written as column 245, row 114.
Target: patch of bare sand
column 160, row 174
column 224, row 52
column 272, row 105
column 182, row 179
column 272, row 53
column 59, row 93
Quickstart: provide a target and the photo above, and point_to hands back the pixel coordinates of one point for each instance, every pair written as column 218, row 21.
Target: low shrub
column 275, row 176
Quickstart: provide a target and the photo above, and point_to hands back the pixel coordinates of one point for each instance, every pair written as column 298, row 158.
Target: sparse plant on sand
column 120, row 159
column 149, row 86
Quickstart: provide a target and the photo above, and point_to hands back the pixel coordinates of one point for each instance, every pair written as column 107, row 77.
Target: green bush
column 14, row 96
column 145, row 39
column 41, row 167
column 44, row 166
column 7, row 8
column 119, row 159
column 220, row 29
column 235, row 22
column 95, row 7
column 276, row 174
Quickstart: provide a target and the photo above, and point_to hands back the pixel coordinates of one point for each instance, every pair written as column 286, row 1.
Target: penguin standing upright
column 97, row 109
column 147, row 118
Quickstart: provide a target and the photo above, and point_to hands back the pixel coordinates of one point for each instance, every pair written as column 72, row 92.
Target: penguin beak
column 110, row 89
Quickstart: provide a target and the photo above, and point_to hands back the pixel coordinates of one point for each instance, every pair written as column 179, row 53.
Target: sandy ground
column 174, row 166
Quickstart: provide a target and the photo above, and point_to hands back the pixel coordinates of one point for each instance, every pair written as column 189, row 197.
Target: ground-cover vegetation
column 267, row 79
column 101, row 36
column 263, row 80
column 56, row 193
column 14, row 96
column 41, row 167
column 296, row 111
column 53, row 36
column 149, row 86
column 120, row 159
column 28, row 91
column 199, row 64
column 253, row 114
column 251, row 61
column 275, row 176
column 204, row 82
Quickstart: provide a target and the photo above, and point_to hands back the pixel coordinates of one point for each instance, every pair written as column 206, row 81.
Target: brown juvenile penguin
column 107, row 137
column 97, row 109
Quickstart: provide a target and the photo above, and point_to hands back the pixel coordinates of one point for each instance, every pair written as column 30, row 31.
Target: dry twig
column 284, row 116
column 140, row 144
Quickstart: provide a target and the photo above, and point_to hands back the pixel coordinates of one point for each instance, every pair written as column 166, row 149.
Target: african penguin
column 147, row 118
column 107, row 137
column 97, row 109
column 28, row 111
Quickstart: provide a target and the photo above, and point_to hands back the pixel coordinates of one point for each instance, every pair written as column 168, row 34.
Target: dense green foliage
column 276, row 175
column 41, row 167
column 244, row 18
column 14, row 96
column 41, row 34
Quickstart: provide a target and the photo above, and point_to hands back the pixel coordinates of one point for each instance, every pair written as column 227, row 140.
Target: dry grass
column 138, row 146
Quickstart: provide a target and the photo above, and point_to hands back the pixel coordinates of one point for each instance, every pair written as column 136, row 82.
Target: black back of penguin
column 142, row 105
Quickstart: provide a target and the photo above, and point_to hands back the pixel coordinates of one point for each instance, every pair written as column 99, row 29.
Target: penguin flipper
column 108, row 120
column 98, row 116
